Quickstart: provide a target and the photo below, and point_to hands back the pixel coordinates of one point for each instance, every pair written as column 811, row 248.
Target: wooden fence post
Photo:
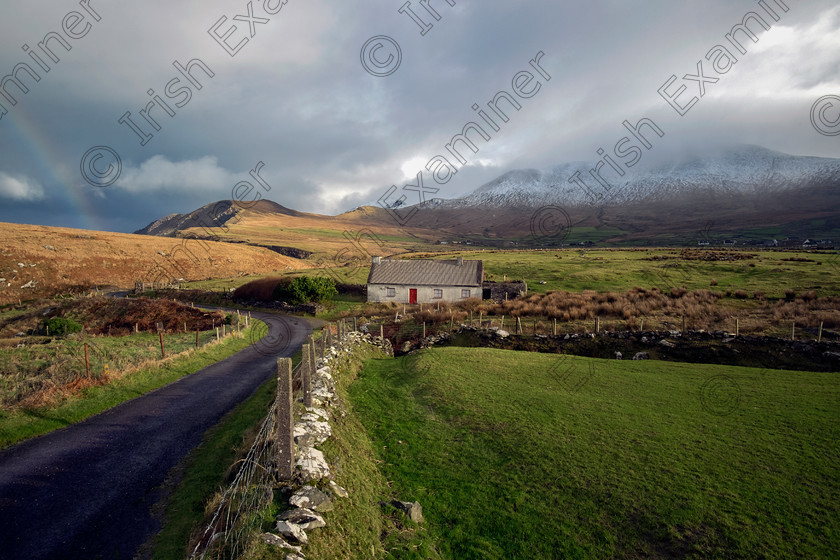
column 554, row 326
column 793, row 331
column 306, row 375
column 737, row 326
column 87, row 361
column 162, row 349
column 324, row 344
column 196, row 339
column 382, row 331
column 424, row 329
column 819, row 336
column 313, row 355
column 597, row 325
column 217, row 334
column 285, row 420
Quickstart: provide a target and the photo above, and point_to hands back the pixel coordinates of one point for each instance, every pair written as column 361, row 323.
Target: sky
column 325, row 106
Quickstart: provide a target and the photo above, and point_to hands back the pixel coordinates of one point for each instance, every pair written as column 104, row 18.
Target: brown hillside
column 57, row 260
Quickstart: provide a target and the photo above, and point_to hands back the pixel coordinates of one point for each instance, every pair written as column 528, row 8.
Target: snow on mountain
column 739, row 170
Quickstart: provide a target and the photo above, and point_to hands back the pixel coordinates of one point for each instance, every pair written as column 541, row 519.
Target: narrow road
column 86, row 491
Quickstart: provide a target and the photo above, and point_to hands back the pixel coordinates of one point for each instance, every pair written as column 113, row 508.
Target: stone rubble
column 311, row 467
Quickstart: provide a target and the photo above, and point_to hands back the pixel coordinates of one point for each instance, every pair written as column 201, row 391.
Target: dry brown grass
column 80, row 259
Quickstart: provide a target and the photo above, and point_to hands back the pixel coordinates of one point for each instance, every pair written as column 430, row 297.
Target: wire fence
column 237, row 514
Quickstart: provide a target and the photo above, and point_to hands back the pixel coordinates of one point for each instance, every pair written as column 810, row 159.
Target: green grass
column 516, row 455
column 358, row 527
column 620, row 270
column 17, row 425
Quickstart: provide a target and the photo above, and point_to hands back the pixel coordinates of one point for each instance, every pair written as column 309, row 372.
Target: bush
column 305, row 289
column 60, row 326
column 741, row 294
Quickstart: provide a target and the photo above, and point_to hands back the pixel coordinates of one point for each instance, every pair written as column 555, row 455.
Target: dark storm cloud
column 331, row 136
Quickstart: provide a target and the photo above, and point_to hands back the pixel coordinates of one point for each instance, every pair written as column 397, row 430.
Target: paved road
column 87, row 491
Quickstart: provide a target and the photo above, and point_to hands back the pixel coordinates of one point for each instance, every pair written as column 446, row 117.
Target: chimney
column 460, row 261
column 376, row 260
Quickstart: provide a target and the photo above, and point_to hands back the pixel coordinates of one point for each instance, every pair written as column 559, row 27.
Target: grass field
column 516, row 455
column 772, row 272
column 70, row 406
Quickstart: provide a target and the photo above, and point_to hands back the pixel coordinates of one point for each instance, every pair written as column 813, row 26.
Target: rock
column 618, row 355
column 667, row 343
column 310, row 497
column 321, row 412
column 835, row 355
column 566, row 337
column 320, row 431
column 502, row 334
column 293, row 532
column 311, row 465
column 30, row 284
column 338, row 490
column 49, row 247
column 275, row 540
column 303, row 518
column 21, row 265
column 644, row 339
column 412, row 509
column 641, row 356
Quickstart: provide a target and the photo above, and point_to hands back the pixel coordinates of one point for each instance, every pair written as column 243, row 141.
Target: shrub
column 713, row 282
column 305, row 289
column 741, row 294
column 759, row 294
column 810, row 295
column 790, row 294
column 60, row 326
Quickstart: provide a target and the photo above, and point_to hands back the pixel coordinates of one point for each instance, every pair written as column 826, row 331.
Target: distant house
column 423, row 280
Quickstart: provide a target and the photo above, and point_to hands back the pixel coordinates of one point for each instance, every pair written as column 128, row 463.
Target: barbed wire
column 231, row 526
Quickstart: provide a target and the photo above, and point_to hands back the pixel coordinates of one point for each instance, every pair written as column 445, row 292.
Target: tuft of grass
column 516, row 455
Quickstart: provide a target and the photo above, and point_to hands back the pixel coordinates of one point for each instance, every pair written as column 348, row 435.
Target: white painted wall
column 425, row 294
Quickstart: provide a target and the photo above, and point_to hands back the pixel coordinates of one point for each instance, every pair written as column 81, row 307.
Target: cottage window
column 390, row 292
column 438, row 293
column 465, row 293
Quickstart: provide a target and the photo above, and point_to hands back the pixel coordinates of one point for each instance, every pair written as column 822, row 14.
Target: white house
column 424, row 280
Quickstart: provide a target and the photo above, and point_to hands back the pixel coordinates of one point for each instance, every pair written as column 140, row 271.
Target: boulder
column 641, row 356
column 502, row 334
column 292, row 532
column 311, row 465
column 275, row 540
column 667, row 343
column 412, row 509
column 303, row 518
column 618, row 355
column 310, row 497
column 338, row 490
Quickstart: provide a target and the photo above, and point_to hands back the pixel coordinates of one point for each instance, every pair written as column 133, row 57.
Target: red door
column 412, row 295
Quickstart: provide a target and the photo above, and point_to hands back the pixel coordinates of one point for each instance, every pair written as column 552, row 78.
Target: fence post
column 502, row 323
column 424, row 329
column 217, row 334
column 354, row 325
column 312, row 353
column 196, row 339
column 737, row 326
column 324, row 344
column 819, row 336
column 162, row 349
column 87, row 361
column 554, row 326
column 597, row 325
column 285, row 420
column 793, row 331
column 329, row 334
column 382, row 331
column 306, row 376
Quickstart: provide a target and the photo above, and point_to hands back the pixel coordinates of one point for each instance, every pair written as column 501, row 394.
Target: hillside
column 318, row 239
column 42, row 261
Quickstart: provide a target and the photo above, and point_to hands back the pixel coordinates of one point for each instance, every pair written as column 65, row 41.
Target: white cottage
column 424, row 280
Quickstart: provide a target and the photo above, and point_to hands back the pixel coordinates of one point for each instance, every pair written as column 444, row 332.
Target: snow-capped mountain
column 743, row 170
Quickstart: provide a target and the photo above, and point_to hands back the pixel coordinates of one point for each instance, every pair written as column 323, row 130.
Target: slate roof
column 424, row 272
